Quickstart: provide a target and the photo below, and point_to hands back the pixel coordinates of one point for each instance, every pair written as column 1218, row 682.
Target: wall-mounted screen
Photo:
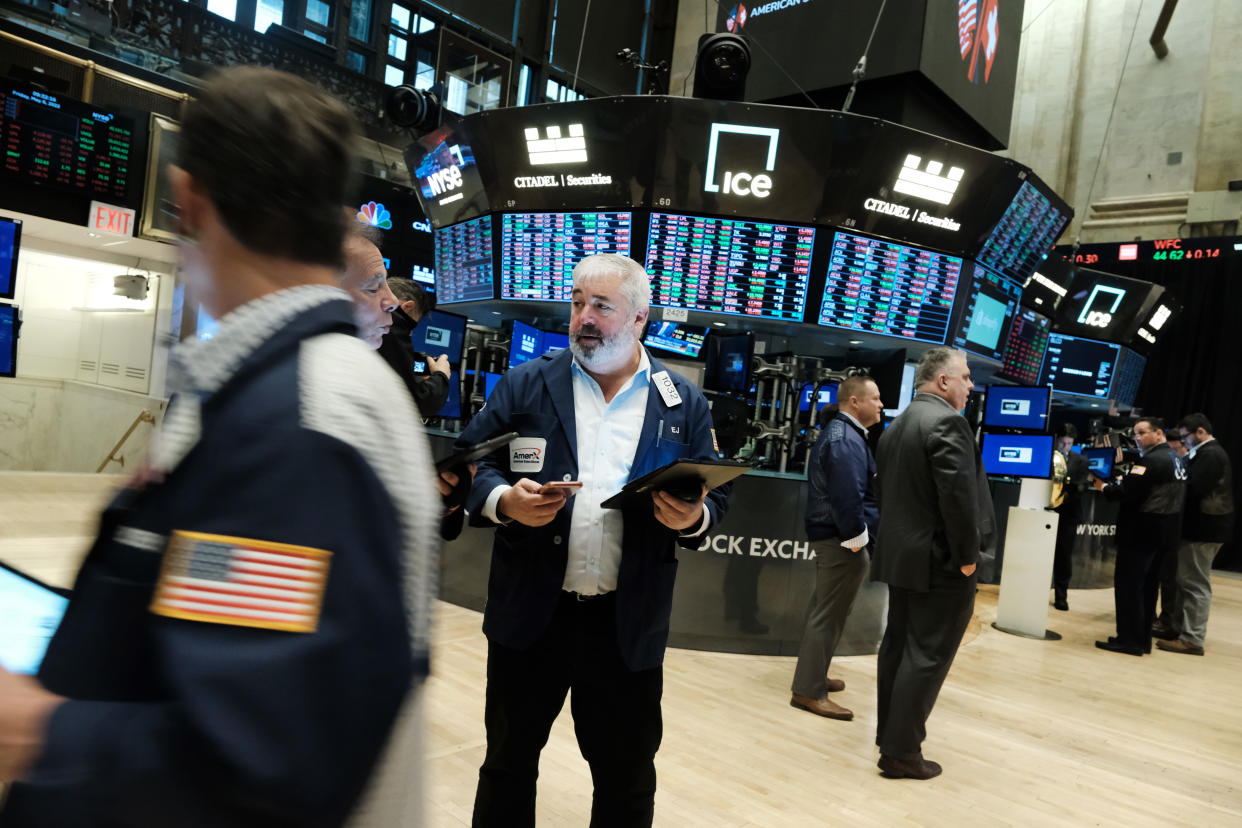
column 464, row 261
column 728, row 362
column 1047, row 285
column 988, row 304
column 1025, row 347
column 1153, row 320
column 1018, row 455
column 1024, row 234
column 1085, row 367
column 8, row 340
column 889, row 288
column 1129, row 375
column 1101, row 305
column 1016, row 407
column 405, row 234
column 538, row 251
column 447, row 175
column 439, row 333
column 10, row 246
column 748, row 268
column 527, row 342
column 676, row 338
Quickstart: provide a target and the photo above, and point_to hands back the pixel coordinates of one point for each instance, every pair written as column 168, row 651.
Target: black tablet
column 680, row 475
column 478, row 451
column 30, row 612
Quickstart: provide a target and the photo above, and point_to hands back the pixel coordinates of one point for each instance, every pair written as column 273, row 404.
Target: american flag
column 967, row 14
column 241, row 581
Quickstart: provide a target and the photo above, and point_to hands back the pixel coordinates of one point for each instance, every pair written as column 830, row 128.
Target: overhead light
column 1095, row 405
column 719, row 324
column 495, row 313
column 856, row 342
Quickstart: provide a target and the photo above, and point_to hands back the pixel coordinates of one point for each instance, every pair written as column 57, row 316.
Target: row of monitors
column 1030, row 455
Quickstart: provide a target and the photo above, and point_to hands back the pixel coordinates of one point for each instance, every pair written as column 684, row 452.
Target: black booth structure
column 817, row 226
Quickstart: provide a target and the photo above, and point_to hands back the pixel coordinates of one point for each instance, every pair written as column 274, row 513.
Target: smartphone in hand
column 556, row 486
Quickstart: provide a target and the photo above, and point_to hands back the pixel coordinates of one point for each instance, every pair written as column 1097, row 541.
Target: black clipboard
column 476, row 452
column 680, row 474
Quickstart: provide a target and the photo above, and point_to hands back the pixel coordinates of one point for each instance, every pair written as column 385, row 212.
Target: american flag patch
column 241, row 581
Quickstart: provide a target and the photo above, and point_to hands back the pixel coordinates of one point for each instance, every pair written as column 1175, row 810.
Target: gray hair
column 635, row 283
column 934, row 363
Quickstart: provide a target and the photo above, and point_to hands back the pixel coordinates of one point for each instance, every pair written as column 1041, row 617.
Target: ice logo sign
column 1100, row 318
column 736, row 182
column 928, row 183
column 555, row 148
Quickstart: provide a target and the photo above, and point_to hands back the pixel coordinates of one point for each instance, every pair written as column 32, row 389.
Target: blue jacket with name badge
column 841, row 499
column 536, row 399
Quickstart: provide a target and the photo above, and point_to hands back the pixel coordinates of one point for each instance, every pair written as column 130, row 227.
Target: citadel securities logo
column 740, row 183
column 978, row 35
column 555, row 149
column 1100, row 318
column 928, row 183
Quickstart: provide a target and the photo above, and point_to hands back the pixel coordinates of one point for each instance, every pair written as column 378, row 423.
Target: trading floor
column 1029, row 732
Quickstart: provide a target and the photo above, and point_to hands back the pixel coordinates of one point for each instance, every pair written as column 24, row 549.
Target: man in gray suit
column 936, row 522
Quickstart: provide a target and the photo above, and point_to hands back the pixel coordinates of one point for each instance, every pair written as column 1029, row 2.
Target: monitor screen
column 728, row 362
column 1025, row 347
column 1101, row 305
column 440, row 332
column 443, row 165
column 1153, row 319
column 490, row 381
column 538, row 251
column 452, row 405
column 827, row 396
column 1084, row 367
column 1100, row 461
column 889, row 288
column 1129, row 375
column 10, row 244
column 1024, row 234
column 1017, row 408
column 1018, row 455
column 676, row 338
column 987, row 309
column 464, row 261
column 29, row 615
column 554, row 341
column 720, row 265
column 1047, row 285
column 527, row 342
column 8, row 340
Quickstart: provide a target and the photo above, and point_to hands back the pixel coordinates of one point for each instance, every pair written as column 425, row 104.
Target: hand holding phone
column 555, row 486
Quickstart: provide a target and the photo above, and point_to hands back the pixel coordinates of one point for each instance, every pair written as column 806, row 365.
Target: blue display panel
column 538, row 251
column 719, row 265
column 1017, row 408
column 464, row 261
column 440, row 333
column 1025, row 233
column 1085, row 367
column 8, row 340
column 1018, row 455
column 827, row 396
column 528, row 342
column 1100, row 461
column 1025, row 348
column 675, row 338
column 10, row 244
column 728, row 362
column 29, row 615
column 889, row 288
column 1129, row 375
column 987, row 310
column 452, row 404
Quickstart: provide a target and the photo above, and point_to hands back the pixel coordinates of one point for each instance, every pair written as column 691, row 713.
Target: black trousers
column 1136, row 582
column 616, row 715
column 1067, row 530
column 920, row 641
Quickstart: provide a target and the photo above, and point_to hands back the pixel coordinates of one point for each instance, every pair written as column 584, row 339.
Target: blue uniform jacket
column 182, row 723
column 536, row 399
column 841, row 499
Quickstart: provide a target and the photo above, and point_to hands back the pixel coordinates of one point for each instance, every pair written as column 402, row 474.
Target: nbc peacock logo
column 375, row 215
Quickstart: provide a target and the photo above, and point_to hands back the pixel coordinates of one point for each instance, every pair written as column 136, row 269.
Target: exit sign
column 110, row 219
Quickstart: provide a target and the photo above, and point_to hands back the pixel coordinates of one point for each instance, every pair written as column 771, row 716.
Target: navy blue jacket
column 536, row 399
column 841, row 498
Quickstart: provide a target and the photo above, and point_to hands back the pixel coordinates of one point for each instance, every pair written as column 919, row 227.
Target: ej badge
column 526, row 454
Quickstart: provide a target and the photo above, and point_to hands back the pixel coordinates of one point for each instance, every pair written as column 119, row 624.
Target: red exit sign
column 110, row 219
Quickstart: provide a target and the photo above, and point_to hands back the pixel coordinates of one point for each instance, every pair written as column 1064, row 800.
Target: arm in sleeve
column 847, row 485
column 1133, row 488
column 1203, row 473
column 951, row 454
column 492, row 421
column 430, row 393
column 256, row 726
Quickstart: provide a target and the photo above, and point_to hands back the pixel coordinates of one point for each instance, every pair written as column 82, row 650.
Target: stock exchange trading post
column 729, row 266
column 889, row 288
column 464, row 261
column 538, row 251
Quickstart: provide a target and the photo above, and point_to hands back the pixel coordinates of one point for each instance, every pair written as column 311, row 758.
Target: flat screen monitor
column 1129, row 375
column 490, row 381
column 1018, row 455
column 728, row 362
column 1047, row 285
column 987, row 308
column 1025, row 347
column 10, row 245
column 464, row 261
column 1018, row 408
column 1101, row 305
column 538, row 251
column 440, row 332
column 1024, row 234
column 827, row 396
column 8, row 340
column 676, row 338
column 30, row 612
column 720, row 265
column 526, row 342
column 1100, row 461
column 889, row 288
column 555, row 341
column 1084, row 367
column 1153, row 319
column 452, row 404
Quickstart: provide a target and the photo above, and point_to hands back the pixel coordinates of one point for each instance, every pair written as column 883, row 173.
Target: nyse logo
column 1016, row 408
column 447, row 178
column 1100, row 318
column 928, row 183
column 1016, row 454
column 736, row 182
column 555, row 148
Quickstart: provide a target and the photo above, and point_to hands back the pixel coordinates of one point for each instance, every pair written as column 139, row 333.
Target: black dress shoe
column 1058, row 599
column 893, row 768
column 1115, row 646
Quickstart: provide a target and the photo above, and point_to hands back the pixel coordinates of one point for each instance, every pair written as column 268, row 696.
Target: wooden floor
column 1029, row 732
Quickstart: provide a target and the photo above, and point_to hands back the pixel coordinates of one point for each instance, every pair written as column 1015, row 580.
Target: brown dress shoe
column 821, row 707
column 1179, row 646
column 893, row 768
column 835, row 685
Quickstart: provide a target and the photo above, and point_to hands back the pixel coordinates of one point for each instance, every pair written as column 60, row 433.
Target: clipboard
column 30, row 612
column 476, row 452
column 680, row 474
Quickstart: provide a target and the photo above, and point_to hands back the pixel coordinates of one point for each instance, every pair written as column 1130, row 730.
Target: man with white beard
column 579, row 596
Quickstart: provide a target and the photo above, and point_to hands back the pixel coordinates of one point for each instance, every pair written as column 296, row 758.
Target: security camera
column 130, row 285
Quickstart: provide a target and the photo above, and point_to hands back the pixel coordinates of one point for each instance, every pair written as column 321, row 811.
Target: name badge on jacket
column 664, row 384
column 526, row 454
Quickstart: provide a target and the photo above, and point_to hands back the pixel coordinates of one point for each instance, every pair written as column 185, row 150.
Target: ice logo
column 375, row 215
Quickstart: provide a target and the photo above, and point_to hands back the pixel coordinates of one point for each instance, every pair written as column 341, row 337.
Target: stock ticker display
column 889, row 288
column 1024, row 350
column 538, row 251
column 464, row 261
column 1025, row 232
column 732, row 266
column 1085, row 367
column 66, row 144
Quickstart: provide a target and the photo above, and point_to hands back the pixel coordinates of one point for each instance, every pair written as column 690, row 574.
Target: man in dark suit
column 579, row 597
column 936, row 522
column 1070, row 512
